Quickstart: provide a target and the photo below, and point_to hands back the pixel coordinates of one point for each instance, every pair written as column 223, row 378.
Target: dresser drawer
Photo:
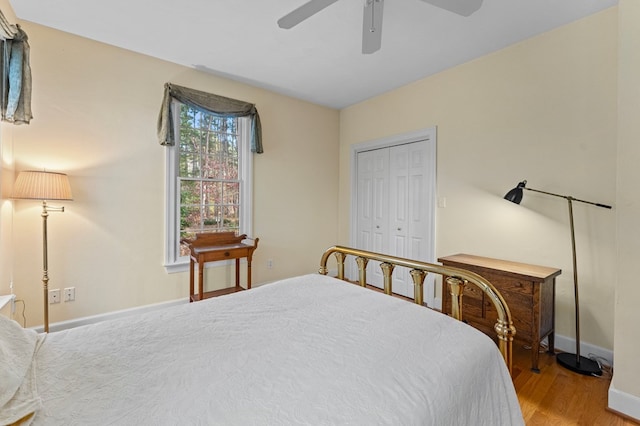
column 521, row 315
column 232, row 253
column 512, row 285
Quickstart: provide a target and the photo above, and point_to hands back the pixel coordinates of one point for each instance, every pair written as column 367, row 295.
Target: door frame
column 430, row 135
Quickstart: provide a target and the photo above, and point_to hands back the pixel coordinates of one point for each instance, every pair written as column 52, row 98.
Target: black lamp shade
column 515, row 195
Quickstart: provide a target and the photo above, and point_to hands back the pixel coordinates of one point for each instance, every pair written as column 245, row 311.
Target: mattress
column 310, row 350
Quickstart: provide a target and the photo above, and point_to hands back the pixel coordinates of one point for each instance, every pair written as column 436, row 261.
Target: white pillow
column 18, row 396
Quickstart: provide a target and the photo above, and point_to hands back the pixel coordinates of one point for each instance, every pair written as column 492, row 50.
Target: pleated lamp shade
column 37, row 185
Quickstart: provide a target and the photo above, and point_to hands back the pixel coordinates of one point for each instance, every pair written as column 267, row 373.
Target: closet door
column 373, row 207
column 394, row 208
column 408, row 209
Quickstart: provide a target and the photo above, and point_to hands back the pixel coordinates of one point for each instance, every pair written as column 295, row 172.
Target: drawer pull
column 226, row 253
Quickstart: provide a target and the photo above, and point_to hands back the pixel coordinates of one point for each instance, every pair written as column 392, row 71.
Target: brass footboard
column 457, row 280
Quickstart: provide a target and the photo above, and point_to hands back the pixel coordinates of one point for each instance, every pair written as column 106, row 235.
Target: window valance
column 208, row 102
column 15, row 81
column 7, row 29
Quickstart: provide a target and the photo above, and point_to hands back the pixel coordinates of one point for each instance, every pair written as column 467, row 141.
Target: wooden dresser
column 529, row 291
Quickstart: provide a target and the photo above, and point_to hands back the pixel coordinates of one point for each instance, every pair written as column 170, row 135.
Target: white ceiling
column 319, row 60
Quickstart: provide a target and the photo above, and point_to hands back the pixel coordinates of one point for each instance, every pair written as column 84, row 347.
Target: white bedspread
column 310, row 350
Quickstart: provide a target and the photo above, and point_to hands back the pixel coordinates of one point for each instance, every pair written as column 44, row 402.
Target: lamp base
column 585, row 366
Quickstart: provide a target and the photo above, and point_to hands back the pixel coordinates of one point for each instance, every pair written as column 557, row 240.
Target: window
column 208, row 179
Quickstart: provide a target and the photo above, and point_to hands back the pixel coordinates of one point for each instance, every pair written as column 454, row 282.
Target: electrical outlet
column 269, row 263
column 54, row 296
column 69, row 294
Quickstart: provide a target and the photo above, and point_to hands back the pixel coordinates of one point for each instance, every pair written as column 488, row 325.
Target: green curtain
column 208, row 102
column 15, row 81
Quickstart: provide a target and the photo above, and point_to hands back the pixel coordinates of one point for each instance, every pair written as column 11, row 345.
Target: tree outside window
column 208, row 173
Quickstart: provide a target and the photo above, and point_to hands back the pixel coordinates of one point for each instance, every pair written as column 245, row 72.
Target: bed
column 312, row 350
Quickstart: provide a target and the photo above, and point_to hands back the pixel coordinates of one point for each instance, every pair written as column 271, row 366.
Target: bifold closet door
column 392, row 208
column 373, row 207
column 408, row 209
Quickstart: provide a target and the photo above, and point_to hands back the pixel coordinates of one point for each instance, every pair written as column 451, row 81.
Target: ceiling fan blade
column 461, row 7
column 298, row 15
column 372, row 26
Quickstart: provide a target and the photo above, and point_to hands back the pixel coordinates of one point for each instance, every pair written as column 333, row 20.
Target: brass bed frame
column 456, row 279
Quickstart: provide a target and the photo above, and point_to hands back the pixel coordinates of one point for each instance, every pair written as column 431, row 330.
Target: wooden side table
column 215, row 246
column 529, row 291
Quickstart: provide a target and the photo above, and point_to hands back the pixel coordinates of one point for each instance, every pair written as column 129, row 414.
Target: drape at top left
column 15, row 74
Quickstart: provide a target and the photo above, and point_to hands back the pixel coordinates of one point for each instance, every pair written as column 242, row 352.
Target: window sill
column 172, row 268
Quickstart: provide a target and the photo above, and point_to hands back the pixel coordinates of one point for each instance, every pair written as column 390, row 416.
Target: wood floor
column 558, row 396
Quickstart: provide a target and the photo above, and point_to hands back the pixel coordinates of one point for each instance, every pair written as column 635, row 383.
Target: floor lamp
column 576, row 363
column 44, row 186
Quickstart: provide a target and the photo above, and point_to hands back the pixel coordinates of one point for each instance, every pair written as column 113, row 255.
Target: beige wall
column 626, row 378
column 95, row 109
column 6, row 215
column 544, row 110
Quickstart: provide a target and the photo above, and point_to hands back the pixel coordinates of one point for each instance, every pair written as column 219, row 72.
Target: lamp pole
column 45, row 267
column 45, row 259
column 575, row 280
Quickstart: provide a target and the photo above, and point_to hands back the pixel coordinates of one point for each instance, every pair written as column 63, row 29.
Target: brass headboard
column 456, row 279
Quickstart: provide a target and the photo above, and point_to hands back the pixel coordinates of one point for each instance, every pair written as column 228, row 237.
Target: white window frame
column 173, row 261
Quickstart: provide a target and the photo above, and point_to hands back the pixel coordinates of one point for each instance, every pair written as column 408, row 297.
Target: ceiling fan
column 372, row 19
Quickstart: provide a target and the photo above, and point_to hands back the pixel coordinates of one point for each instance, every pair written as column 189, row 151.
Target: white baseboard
column 624, row 403
column 568, row 344
column 63, row 325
